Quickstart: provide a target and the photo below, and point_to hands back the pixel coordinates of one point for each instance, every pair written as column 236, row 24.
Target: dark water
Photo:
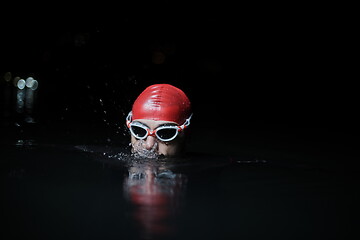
column 67, row 174
column 57, row 188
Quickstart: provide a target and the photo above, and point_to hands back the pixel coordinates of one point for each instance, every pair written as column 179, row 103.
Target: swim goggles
column 163, row 133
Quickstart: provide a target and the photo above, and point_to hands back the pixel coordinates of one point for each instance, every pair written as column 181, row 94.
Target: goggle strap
column 150, row 133
column 129, row 119
column 186, row 123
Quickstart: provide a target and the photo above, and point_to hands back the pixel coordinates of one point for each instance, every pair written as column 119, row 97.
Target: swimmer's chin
column 147, row 154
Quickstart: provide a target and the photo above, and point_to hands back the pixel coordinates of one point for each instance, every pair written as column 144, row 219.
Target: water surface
column 57, row 191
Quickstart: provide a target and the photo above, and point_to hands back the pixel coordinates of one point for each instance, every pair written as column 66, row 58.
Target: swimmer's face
column 151, row 146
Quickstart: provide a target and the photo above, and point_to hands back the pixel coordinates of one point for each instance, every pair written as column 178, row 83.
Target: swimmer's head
column 157, row 121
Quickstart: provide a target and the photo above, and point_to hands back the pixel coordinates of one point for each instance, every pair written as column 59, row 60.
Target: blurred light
column 20, row 100
column 29, row 100
column 31, row 83
column 15, row 81
column 34, row 85
column 21, row 84
column 29, row 119
column 7, row 76
column 158, row 57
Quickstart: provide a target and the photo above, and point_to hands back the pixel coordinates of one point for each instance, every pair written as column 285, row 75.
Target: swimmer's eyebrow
column 142, row 124
column 167, row 124
column 161, row 125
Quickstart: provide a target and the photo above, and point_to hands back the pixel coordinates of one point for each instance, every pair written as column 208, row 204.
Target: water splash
column 122, row 156
column 141, row 152
column 106, row 154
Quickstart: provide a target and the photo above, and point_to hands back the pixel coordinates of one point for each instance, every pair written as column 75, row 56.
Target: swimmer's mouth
column 139, row 152
column 147, row 154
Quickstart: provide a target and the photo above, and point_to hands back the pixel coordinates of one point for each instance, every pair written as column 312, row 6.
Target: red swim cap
column 162, row 102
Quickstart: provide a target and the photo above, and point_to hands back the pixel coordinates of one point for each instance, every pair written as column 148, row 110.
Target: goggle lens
column 166, row 134
column 163, row 133
column 138, row 132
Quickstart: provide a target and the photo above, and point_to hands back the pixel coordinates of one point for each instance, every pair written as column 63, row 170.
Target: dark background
column 277, row 70
column 273, row 84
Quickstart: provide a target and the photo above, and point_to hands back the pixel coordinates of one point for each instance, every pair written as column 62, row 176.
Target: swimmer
column 158, row 122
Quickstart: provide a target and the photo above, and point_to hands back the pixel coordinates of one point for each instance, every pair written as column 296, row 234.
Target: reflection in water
column 19, row 98
column 155, row 193
column 25, row 98
column 25, row 104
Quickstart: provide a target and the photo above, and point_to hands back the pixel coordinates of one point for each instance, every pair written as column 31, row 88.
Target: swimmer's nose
column 150, row 142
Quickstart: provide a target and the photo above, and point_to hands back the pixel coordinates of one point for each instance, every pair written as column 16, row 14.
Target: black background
column 285, row 69
column 273, row 82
